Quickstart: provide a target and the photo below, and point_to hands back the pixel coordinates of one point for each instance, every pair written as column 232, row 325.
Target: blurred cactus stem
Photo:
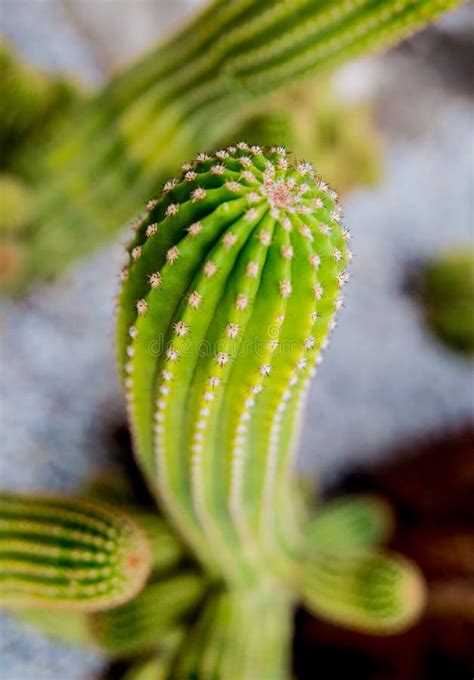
column 318, row 124
column 446, row 292
column 187, row 94
column 68, row 553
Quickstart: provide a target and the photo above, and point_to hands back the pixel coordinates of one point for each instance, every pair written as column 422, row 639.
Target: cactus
column 317, row 124
column 234, row 276
column 68, row 553
column 189, row 93
column 33, row 103
column 235, row 273
column 16, row 204
column 155, row 619
column 446, row 293
column 350, row 523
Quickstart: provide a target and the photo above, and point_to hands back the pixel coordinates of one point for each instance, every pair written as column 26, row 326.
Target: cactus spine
column 68, row 553
column 234, row 276
column 188, row 94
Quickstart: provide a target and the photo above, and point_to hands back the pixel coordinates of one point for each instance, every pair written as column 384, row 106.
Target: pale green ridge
column 350, row 523
column 188, row 93
column 231, row 291
column 71, row 553
column 372, row 592
column 154, row 620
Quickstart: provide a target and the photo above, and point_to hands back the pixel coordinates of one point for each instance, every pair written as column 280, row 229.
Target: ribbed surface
column 155, row 619
column 351, row 523
column 377, row 593
column 234, row 277
column 186, row 95
column 68, row 553
column 239, row 636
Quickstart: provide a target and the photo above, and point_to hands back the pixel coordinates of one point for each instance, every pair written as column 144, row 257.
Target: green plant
column 187, row 94
column 234, row 277
column 446, row 292
column 74, row 554
column 317, row 124
column 16, row 204
column 32, row 105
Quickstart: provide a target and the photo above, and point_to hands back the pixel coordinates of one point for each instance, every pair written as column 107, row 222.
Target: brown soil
column 431, row 487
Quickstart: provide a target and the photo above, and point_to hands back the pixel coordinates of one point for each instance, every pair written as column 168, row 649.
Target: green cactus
column 152, row 668
column 67, row 553
column 317, row 124
column 33, row 103
column 367, row 592
column 234, row 277
column 446, row 292
column 16, row 204
column 210, row 259
column 351, row 523
column 156, row 619
column 188, row 93
column 175, row 589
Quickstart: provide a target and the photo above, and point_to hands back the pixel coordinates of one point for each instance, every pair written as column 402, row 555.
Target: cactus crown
column 233, row 279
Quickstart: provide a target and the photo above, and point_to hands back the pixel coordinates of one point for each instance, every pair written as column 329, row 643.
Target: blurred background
column 391, row 409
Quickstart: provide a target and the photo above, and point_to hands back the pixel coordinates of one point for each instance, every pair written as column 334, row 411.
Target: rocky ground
column 384, row 378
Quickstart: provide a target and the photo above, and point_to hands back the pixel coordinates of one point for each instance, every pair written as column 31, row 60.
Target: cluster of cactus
column 32, row 105
column 316, row 123
column 446, row 293
column 235, row 274
column 189, row 93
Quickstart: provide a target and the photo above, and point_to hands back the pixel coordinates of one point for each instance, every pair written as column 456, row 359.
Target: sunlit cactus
column 350, row 523
column 188, row 93
column 156, row 619
column 68, row 553
column 234, row 277
column 32, row 104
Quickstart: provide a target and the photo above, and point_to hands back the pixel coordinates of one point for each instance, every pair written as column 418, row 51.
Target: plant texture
column 446, row 291
column 188, row 93
column 31, row 107
column 66, row 553
column 235, row 274
column 316, row 123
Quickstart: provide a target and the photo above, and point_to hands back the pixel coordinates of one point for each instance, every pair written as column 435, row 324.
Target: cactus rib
column 68, row 553
column 234, row 277
column 192, row 91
